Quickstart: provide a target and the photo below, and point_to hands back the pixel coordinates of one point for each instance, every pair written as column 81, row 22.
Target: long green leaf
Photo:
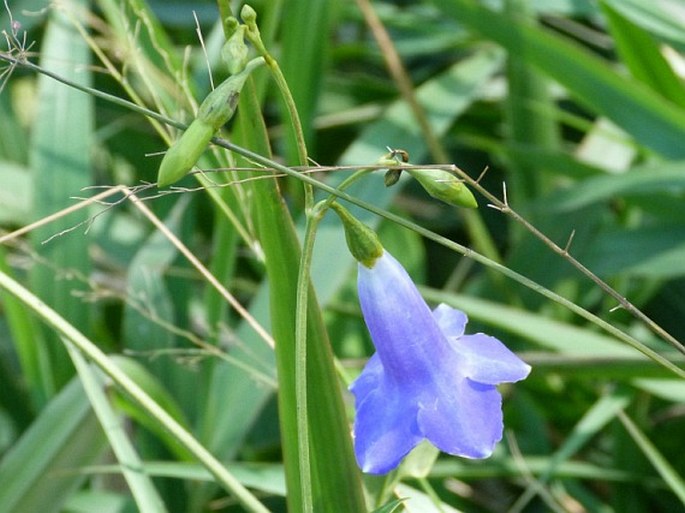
column 13, row 140
column 336, row 477
column 39, row 472
column 60, row 149
column 653, row 252
column 529, row 119
column 16, row 193
column 303, row 58
column 659, row 18
column 146, row 496
column 641, row 53
column 649, row 118
column 661, row 464
column 650, row 179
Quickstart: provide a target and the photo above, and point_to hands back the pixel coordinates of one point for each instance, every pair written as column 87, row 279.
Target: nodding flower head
column 427, row 379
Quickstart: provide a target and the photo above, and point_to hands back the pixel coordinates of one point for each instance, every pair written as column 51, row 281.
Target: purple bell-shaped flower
column 427, row 379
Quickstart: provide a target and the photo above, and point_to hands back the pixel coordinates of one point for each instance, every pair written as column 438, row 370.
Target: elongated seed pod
column 444, row 186
column 184, row 153
column 216, row 109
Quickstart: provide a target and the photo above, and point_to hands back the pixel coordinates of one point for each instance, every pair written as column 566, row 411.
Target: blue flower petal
column 462, row 418
column 452, row 322
column 368, row 380
column 488, row 361
column 385, row 428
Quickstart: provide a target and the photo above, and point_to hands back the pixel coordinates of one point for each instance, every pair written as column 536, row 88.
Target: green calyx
column 361, row 240
column 444, row 186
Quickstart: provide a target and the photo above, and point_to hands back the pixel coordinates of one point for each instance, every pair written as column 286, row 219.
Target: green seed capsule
column 444, row 186
column 220, row 104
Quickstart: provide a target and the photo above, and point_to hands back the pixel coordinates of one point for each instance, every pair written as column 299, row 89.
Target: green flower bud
column 391, row 177
column 234, row 51
column 393, row 158
column 444, row 186
column 184, row 153
column 362, row 241
column 248, row 14
column 231, row 24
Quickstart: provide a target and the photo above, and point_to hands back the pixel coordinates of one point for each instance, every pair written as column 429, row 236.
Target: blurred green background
column 577, row 106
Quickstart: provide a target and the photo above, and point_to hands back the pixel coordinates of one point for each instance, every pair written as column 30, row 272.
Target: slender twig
column 504, row 207
column 202, row 270
column 58, row 215
column 255, row 38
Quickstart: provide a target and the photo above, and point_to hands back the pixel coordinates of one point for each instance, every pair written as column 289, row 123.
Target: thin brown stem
column 401, row 78
column 504, row 207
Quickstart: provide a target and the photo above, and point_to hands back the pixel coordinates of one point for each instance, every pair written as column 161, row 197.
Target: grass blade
column 142, row 489
column 336, row 477
column 650, row 119
column 59, row 158
column 39, row 472
column 640, row 52
column 661, row 464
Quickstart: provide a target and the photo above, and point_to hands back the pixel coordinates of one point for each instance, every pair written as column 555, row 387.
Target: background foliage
column 578, row 106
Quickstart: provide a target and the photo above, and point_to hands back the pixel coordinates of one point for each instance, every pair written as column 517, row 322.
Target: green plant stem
column 144, row 493
column 92, row 352
column 661, row 464
column 255, row 38
column 325, row 204
column 303, row 280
